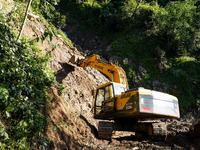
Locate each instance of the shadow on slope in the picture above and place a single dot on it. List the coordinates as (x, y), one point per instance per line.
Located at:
(62, 73)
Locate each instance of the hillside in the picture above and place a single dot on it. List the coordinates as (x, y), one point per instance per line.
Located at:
(72, 126)
(70, 120)
(68, 110)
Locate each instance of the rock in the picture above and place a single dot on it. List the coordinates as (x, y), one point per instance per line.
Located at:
(135, 148)
(141, 69)
(72, 48)
(108, 48)
(32, 16)
(35, 28)
(125, 61)
(114, 60)
(160, 86)
(195, 129)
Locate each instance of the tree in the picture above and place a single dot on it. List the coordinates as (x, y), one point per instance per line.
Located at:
(177, 27)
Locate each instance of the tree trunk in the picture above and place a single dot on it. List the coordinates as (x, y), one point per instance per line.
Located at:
(22, 27)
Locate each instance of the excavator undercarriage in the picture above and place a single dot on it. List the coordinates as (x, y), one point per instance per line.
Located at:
(154, 130)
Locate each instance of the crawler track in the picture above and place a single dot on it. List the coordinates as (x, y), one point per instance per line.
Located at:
(156, 131)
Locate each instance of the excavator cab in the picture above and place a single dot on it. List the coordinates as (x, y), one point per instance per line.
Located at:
(105, 97)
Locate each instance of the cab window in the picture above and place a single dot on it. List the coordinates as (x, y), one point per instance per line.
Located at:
(102, 98)
(99, 100)
(119, 89)
(108, 92)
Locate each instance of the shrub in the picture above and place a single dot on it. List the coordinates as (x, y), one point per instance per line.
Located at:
(24, 77)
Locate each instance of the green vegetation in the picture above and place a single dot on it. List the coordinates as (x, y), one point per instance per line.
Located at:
(24, 78)
(67, 40)
(61, 88)
(48, 10)
(162, 36)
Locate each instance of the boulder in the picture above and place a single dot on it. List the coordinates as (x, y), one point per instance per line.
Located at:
(195, 129)
(32, 16)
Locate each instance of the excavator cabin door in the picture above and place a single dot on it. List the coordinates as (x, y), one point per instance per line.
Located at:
(105, 99)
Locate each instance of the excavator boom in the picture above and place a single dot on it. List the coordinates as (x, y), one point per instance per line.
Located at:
(113, 72)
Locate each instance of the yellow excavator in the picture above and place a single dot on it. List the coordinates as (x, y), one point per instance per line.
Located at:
(131, 109)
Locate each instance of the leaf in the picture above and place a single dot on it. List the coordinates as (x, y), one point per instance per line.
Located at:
(37, 39)
(45, 143)
(50, 35)
(8, 109)
(25, 124)
(5, 134)
(7, 114)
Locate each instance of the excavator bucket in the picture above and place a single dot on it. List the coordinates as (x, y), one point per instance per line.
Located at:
(77, 60)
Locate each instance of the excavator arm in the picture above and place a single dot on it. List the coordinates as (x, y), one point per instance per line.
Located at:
(113, 72)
